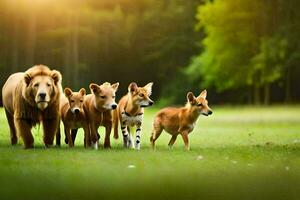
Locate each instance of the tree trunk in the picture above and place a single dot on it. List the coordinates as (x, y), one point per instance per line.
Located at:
(71, 57)
(288, 96)
(67, 54)
(75, 51)
(256, 95)
(31, 40)
(15, 45)
(250, 96)
(267, 94)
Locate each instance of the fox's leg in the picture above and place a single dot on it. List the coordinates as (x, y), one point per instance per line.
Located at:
(94, 136)
(66, 138)
(73, 134)
(172, 141)
(185, 138)
(87, 140)
(130, 139)
(138, 136)
(125, 134)
(107, 136)
(68, 135)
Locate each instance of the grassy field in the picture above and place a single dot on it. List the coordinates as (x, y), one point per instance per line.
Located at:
(237, 153)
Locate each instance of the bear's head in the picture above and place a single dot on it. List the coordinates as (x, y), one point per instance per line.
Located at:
(42, 86)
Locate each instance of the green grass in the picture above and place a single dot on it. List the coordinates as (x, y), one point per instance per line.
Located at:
(247, 153)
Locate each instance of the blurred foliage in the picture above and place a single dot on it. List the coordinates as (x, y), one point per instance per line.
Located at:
(248, 44)
(249, 48)
(98, 41)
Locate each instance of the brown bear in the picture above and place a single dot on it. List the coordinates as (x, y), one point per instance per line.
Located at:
(29, 98)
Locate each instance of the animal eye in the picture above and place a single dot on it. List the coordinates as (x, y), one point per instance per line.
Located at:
(48, 84)
(200, 104)
(113, 96)
(141, 95)
(81, 101)
(36, 85)
(103, 97)
(72, 101)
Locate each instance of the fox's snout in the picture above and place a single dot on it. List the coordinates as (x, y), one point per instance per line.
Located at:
(110, 106)
(114, 106)
(209, 112)
(151, 103)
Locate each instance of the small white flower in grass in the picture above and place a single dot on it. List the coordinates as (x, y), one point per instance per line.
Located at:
(200, 157)
(226, 158)
(131, 166)
(234, 162)
(250, 164)
(287, 168)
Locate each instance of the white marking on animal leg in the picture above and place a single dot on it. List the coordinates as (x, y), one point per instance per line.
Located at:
(130, 142)
(138, 138)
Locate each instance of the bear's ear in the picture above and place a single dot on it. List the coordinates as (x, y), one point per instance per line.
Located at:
(203, 94)
(56, 75)
(68, 92)
(132, 87)
(27, 79)
(190, 97)
(95, 89)
(82, 91)
(115, 86)
(148, 87)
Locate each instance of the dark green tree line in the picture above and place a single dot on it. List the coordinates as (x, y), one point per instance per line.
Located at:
(250, 45)
(242, 47)
(97, 41)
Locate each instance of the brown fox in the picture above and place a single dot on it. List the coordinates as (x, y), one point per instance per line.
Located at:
(180, 120)
(98, 107)
(130, 112)
(73, 115)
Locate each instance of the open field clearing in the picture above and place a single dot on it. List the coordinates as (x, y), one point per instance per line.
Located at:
(237, 153)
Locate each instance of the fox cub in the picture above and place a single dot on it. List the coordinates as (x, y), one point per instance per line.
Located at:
(73, 115)
(130, 113)
(180, 120)
(98, 107)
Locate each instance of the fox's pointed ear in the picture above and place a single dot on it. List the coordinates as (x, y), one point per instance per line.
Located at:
(27, 79)
(203, 94)
(190, 97)
(115, 86)
(82, 91)
(95, 89)
(68, 92)
(132, 87)
(148, 87)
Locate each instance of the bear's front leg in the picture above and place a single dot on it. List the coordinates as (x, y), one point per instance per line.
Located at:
(23, 129)
(58, 136)
(50, 128)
